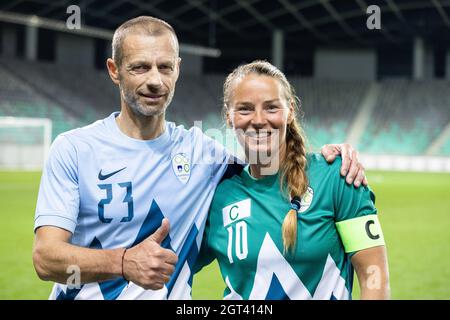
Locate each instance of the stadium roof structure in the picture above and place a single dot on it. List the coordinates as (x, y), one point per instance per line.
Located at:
(245, 28)
(207, 22)
(212, 22)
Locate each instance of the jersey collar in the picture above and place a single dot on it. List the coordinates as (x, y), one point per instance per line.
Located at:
(157, 143)
(263, 183)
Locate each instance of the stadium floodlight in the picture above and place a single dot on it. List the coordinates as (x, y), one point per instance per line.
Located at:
(24, 142)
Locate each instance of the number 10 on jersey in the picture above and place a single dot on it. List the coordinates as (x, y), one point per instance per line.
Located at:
(237, 239)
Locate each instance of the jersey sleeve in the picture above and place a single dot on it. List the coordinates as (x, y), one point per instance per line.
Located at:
(215, 155)
(58, 198)
(205, 256)
(356, 217)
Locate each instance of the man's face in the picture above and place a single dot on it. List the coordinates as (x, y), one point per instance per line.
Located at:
(148, 73)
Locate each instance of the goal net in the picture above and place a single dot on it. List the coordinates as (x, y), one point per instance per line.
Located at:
(24, 142)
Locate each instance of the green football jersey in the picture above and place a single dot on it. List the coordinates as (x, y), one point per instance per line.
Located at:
(243, 232)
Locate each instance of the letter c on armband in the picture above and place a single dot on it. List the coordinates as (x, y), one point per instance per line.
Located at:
(360, 233)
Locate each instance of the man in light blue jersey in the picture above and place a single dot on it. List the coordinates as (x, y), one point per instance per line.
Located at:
(109, 190)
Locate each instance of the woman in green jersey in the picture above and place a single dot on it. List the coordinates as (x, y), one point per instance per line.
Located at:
(288, 226)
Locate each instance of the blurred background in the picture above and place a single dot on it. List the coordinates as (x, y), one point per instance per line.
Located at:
(386, 90)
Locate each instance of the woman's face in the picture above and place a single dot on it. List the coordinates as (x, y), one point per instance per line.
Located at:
(259, 113)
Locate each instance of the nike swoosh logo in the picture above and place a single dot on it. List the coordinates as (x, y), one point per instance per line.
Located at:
(106, 176)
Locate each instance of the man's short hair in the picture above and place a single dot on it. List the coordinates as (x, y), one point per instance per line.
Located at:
(144, 25)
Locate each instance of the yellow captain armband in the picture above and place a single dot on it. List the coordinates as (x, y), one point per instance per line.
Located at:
(360, 233)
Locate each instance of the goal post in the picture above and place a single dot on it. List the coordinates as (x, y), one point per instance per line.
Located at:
(24, 142)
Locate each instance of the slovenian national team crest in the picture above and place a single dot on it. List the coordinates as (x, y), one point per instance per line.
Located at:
(181, 167)
(306, 200)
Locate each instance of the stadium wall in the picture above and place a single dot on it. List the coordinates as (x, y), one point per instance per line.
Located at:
(447, 65)
(343, 64)
(406, 163)
(191, 64)
(9, 40)
(74, 50)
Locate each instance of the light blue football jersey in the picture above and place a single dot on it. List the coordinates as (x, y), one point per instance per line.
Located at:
(112, 191)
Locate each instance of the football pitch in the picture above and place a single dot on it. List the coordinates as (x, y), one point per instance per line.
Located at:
(414, 209)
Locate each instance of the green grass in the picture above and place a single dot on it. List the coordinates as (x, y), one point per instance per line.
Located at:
(415, 215)
(414, 210)
(18, 194)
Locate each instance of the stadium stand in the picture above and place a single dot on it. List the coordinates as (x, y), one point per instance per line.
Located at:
(407, 117)
(19, 98)
(328, 107)
(194, 100)
(44, 90)
(445, 150)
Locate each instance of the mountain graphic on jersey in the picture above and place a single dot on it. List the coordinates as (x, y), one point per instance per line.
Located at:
(112, 289)
(277, 280)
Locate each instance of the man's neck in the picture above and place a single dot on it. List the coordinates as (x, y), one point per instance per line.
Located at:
(140, 127)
